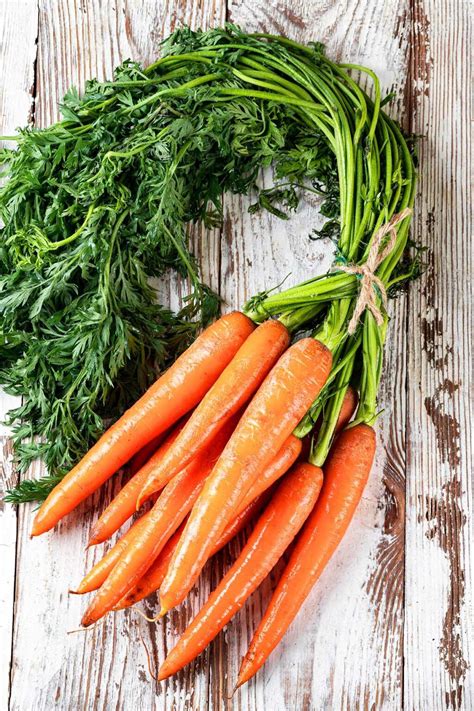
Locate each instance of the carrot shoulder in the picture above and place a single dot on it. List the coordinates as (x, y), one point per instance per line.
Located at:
(274, 531)
(345, 475)
(275, 410)
(176, 392)
(234, 387)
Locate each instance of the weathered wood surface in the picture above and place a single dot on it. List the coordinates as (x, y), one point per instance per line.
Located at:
(387, 627)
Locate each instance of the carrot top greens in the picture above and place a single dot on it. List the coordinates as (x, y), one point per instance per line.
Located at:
(99, 202)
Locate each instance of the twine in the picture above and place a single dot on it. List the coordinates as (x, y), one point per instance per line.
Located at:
(371, 285)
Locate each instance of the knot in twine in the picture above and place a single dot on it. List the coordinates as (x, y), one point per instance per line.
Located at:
(370, 282)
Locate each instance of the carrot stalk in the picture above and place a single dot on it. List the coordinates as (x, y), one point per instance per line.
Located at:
(172, 506)
(174, 394)
(274, 531)
(234, 387)
(125, 503)
(98, 574)
(279, 404)
(345, 476)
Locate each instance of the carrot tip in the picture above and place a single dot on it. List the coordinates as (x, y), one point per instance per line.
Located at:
(162, 612)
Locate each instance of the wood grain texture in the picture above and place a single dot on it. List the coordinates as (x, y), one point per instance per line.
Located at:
(439, 584)
(387, 625)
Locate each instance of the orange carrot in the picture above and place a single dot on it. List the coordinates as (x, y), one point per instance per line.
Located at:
(234, 387)
(174, 394)
(125, 503)
(279, 404)
(154, 576)
(98, 574)
(345, 475)
(287, 455)
(174, 503)
(274, 531)
(349, 406)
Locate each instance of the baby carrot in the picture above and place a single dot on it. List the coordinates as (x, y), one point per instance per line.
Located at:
(279, 404)
(234, 387)
(274, 531)
(174, 394)
(345, 476)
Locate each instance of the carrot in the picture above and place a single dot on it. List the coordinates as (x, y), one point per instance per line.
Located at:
(154, 576)
(125, 503)
(98, 574)
(345, 476)
(174, 394)
(274, 531)
(234, 387)
(172, 506)
(275, 410)
(349, 406)
(287, 455)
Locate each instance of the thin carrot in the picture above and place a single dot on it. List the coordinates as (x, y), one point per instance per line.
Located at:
(234, 387)
(275, 410)
(174, 394)
(274, 531)
(125, 503)
(345, 476)
(172, 506)
(349, 406)
(154, 576)
(287, 455)
(98, 574)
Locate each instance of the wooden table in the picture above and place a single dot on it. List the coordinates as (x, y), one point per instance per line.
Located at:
(388, 625)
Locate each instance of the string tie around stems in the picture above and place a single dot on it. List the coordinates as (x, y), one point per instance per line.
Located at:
(371, 285)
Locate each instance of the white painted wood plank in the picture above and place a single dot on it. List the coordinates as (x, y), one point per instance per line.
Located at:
(18, 31)
(439, 554)
(345, 649)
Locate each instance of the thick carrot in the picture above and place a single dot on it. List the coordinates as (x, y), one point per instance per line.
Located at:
(275, 410)
(154, 576)
(345, 475)
(174, 394)
(172, 506)
(287, 455)
(234, 387)
(125, 503)
(274, 531)
(98, 574)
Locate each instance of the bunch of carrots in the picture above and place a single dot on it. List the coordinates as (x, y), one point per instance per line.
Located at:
(257, 421)
(213, 447)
